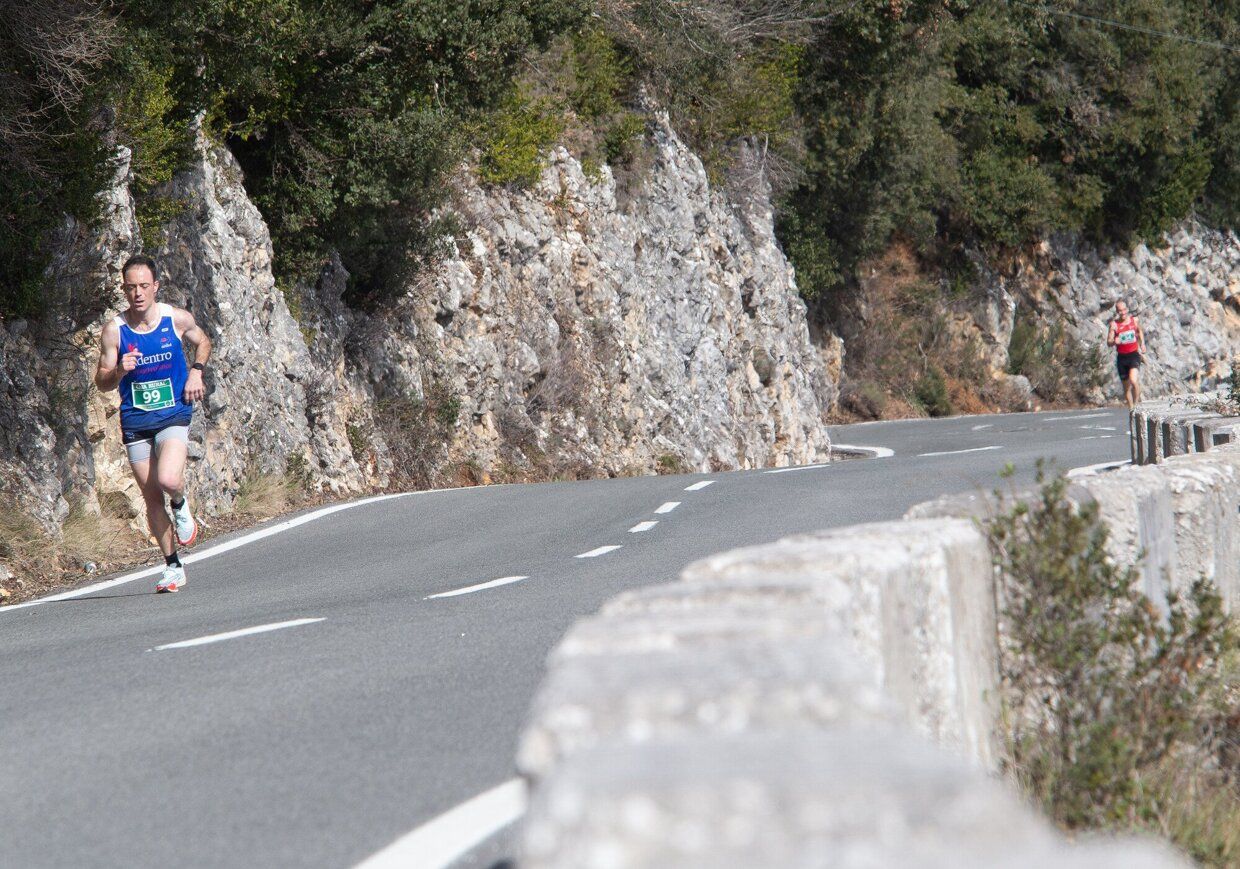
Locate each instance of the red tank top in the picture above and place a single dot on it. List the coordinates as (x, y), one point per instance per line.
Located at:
(1126, 336)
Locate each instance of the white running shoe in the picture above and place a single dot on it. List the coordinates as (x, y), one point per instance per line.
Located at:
(187, 525)
(173, 579)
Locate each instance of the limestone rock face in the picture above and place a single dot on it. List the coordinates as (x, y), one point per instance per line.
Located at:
(216, 262)
(573, 330)
(28, 473)
(1185, 291)
(617, 333)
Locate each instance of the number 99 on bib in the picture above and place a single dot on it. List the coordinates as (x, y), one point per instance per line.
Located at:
(153, 395)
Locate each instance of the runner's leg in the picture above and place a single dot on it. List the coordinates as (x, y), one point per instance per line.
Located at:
(156, 515)
(170, 457)
(1135, 380)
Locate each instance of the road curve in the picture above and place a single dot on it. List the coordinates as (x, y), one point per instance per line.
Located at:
(353, 677)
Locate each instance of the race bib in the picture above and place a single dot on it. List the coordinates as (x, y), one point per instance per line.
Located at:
(1126, 337)
(153, 394)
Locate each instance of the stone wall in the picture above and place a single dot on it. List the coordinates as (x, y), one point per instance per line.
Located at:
(832, 694)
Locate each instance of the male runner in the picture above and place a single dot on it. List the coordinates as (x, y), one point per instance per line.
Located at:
(1126, 337)
(141, 354)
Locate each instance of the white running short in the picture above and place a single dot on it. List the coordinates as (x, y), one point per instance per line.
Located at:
(139, 444)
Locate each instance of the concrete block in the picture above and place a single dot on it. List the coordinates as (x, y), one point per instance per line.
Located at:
(1202, 442)
(1153, 436)
(617, 633)
(918, 600)
(1205, 495)
(846, 799)
(1172, 443)
(1136, 505)
(743, 686)
(804, 595)
(1220, 431)
(966, 505)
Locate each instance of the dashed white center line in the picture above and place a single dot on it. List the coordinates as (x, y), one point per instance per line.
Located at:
(643, 526)
(667, 507)
(595, 553)
(958, 452)
(232, 635)
(982, 426)
(503, 580)
(698, 486)
(1100, 427)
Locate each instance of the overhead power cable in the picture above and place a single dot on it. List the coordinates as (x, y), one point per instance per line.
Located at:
(1123, 25)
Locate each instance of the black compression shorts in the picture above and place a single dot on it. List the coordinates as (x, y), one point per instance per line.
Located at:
(1125, 362)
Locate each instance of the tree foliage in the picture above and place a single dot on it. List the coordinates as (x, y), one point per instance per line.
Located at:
(52, 156)
(994, 124)
(942, 122)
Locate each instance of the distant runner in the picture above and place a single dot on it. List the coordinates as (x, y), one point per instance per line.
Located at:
(1128, 340)
(140, 352)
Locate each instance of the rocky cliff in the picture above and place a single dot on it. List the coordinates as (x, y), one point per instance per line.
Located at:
(1185, 290)
(572, 331)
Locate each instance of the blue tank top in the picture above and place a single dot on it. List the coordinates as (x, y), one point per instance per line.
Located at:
(152, 395)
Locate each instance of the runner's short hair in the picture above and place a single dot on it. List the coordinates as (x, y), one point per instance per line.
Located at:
(141, 259)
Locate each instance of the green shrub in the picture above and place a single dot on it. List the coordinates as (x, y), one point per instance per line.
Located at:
(931, 393)
(1105, 693)
(517, 138)
(670, 463)
(1057, 367)
(600, 75)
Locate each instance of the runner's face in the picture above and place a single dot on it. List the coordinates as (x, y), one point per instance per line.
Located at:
(140, 287)
(1121, 311)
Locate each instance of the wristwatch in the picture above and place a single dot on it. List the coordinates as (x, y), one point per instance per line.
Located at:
(199, 366)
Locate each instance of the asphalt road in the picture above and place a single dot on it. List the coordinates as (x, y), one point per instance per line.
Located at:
(321, 743)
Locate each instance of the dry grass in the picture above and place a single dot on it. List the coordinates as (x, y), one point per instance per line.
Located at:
(911, 350)
(40, 562)
(262, 496)
(103, 538)
(1197, 808)
(22, 542)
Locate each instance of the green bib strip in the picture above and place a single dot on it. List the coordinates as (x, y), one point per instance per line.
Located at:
(153, 394)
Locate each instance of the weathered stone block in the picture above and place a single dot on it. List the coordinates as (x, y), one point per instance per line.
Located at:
(848, 799)
(738, 686)
(918, 597)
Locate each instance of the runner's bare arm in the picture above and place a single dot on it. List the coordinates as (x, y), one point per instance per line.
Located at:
(1140, 336)
(108, 373)
(1111, 335)
(192, 332)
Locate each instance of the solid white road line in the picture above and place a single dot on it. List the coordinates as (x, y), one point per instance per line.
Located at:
(595, 553)
(873, 452)
(698, 486)
(799, 468)
(958, 452)
(667, 507)
(1092, 470)
(439, 843)
(643, 526)
(232, 635)
(1079, 416)
(219, 549)
(503, 580)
